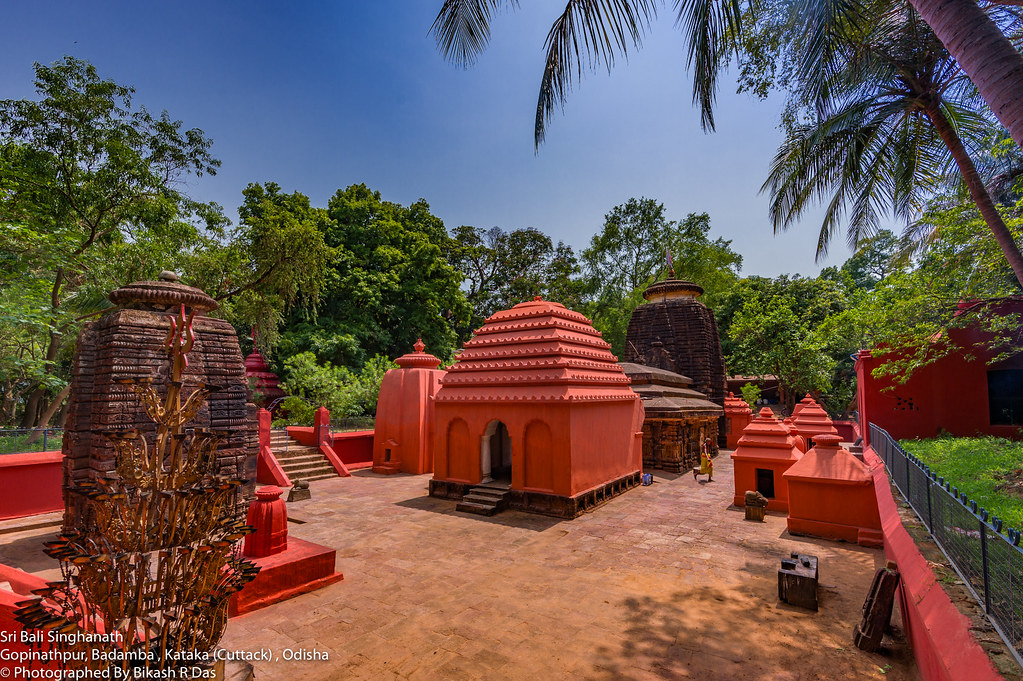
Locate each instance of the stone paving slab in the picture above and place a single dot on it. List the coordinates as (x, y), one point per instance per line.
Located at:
(663, 582)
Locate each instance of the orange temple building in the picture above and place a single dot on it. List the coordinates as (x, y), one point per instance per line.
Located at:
(764, 452)
(402, 438)
(537, 406)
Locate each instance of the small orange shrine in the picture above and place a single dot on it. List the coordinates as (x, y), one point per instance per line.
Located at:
(537, 403)
(402, 437)
(764, 452)
(831, 495)
(737, 417)
(811, 420)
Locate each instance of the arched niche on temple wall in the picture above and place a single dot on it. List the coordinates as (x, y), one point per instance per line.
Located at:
(538, 456)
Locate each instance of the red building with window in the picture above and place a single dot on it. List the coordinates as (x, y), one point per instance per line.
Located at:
(952, 395)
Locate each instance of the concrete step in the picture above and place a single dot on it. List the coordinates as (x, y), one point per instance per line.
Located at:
(305, 458)
(482, 499)
(478, 509)
(296, 452)
(309, 468)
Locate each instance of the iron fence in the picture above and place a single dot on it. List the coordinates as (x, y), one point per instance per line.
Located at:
(986, 555)
(23, 440)
(344, 424)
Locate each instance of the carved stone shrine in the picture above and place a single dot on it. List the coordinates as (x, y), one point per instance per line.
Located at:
(677, 418)
(128, 344)
(676, 332)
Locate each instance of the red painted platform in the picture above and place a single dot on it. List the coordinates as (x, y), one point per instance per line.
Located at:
(302, 568)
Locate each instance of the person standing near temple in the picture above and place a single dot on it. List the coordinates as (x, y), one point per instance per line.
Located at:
(706, 463)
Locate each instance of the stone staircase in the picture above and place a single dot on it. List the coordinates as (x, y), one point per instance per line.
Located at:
(299, 461)
(484, 499)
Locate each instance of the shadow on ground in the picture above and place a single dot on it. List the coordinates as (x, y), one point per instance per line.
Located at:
(705, 632)
(525, 521)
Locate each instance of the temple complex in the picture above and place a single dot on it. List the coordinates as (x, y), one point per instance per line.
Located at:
(676, 332)
(402, 438)
(677, 418)
(536, 405)
(129, 344)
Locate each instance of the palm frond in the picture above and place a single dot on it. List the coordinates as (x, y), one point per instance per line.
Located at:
(462, 28)
(591, 31)
(711, 29)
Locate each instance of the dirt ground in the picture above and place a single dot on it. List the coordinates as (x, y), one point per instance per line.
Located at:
(664, 582)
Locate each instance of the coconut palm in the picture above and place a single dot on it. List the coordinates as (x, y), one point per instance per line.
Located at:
(596, 31)
(890, 114)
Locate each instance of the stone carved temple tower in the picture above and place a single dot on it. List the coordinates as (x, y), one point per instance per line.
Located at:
(129, 344)
(676, 332)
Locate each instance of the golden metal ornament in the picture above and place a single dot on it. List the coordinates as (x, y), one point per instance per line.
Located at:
(153, 568)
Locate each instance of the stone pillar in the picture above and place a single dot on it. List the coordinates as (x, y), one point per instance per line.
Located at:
(265, 421)
(269, 515)
(671, 439)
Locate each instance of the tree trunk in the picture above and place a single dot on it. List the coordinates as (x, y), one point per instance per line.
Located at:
(978, 191)
(984, 53)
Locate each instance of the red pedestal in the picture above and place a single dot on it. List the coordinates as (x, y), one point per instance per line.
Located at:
(269, 515)
(302, 568)
(831, 495)
(765, 451)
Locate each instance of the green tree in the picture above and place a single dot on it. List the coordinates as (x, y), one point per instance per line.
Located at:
(389, 285)
(89, 199)
(595, 32)
(503, 268)
(884, 117)
(955, 280)
(275, 258)
(630, 252)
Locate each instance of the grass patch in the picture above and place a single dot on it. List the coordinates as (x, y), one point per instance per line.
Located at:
(988, 469)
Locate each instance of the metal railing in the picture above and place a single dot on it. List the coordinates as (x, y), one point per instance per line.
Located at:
(345, 424)
(24, 440)
(989, 561)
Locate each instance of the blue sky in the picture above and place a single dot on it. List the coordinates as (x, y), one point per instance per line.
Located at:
(319, 95)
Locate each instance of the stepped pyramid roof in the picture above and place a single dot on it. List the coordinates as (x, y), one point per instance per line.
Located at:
(537, 350)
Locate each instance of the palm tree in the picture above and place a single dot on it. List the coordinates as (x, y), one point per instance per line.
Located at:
(990, 60)
(889, 110)
(595, 31)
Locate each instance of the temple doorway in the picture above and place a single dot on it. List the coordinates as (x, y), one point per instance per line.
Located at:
(495, 453)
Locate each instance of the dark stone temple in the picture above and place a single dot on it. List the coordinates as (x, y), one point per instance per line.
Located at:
(676, 332)
(677, 418)
(129, 344)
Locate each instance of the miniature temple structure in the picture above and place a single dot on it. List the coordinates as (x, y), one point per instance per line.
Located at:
(737, 417)
(764, 452)
(402, 439)
(263, 382)
(128, 344)
(537, 404)
(831, 495)
(675, 331)
(677, 418)
(811, 420)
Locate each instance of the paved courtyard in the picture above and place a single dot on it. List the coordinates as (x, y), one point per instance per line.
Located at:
(663, 582)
